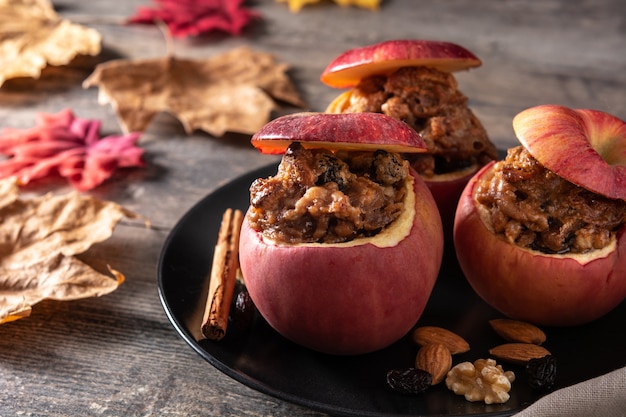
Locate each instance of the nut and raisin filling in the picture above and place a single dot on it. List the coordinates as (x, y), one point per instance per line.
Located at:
(326, 197)
(536, 209)
(428, 100)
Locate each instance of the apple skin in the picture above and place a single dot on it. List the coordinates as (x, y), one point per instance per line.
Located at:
(346, 300)
(348, 131)
(350, 67)
(446, 190)
(585, 147)
(550, 290)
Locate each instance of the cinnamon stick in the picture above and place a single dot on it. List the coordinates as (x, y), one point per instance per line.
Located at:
(223, 276)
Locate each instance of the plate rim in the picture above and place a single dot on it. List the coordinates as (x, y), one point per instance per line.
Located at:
(251, 382)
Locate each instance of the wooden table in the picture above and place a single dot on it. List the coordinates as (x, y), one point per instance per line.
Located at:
(118, 355)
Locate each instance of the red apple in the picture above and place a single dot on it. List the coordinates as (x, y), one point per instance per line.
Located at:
(338, 131)
(586, 147)
(349, 68)
(551, 289)
(353, 297)
(446, 190)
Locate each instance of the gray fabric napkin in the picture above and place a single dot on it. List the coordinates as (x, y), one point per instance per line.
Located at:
(604, 396)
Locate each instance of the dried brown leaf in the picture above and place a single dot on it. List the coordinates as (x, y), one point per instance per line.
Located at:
(231, 92)
(38, 238)
(33, 36)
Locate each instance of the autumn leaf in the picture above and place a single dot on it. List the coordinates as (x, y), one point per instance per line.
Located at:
(296, 5)
(62, 144)
(194, 17)
(365, 4)
(39, 238)
(231, 92)
(33, 36)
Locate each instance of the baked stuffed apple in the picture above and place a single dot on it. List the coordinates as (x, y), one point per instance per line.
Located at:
(412, 80)
(340, 249)
(540, 235)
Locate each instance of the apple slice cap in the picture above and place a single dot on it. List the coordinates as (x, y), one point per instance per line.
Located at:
(350, 131)
(585, 147)
(350, 67)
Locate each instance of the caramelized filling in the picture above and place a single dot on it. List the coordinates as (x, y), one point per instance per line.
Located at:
(326, 197)
(428, 100)
(534, 208)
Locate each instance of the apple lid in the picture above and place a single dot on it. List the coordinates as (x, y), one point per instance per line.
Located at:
(349, 68)
(346, 131)
(585, 147)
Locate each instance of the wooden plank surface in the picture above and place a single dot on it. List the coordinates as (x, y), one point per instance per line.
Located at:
(118, 355)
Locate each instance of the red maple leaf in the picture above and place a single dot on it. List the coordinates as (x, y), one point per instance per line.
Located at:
(194, 17)
(64, 145)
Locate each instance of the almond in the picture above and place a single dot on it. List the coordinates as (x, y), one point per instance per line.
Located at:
(518, 353)
(427, 335)
(518, 331)
(435, 359)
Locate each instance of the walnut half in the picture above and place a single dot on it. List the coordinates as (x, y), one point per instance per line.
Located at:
(482, 380)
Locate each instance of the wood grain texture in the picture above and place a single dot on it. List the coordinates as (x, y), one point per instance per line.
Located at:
(117, 355)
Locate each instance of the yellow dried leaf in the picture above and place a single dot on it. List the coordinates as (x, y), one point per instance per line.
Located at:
(33, 36)
(38, 240)
(231, 92)
(296, 5)
(366, 4)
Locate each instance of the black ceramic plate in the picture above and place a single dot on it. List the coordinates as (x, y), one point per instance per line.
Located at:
(355, 386)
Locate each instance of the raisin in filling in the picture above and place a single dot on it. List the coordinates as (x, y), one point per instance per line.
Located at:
(325, 197)
(536, 209)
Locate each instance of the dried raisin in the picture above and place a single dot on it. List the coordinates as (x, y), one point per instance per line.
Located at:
(242, 309)
(409, 380)
(541, 372)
